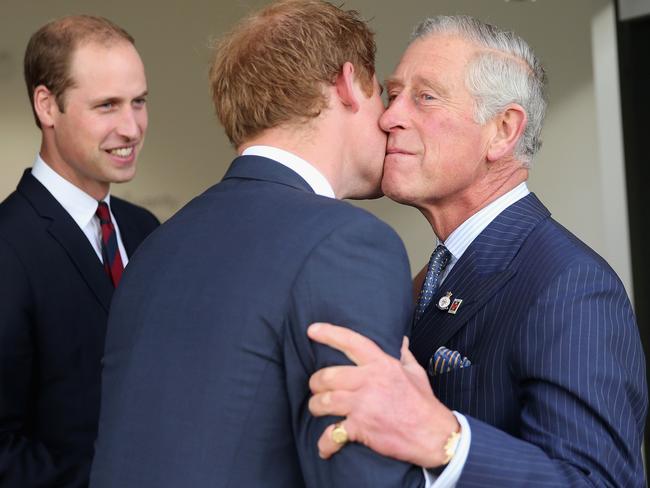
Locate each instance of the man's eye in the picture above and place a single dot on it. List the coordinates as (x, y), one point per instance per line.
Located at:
(424, 99)
(106, 106)
(139, 102)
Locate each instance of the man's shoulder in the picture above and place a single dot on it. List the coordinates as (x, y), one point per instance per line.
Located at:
(564, 247)
(22, 230)
(341, 213)
(10, 204)
(16, 213)
(541, 241)
(348, 212)
(552, 252)
(340, 223)
(272, 201)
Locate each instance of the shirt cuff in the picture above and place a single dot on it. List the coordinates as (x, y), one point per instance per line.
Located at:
(451, 474)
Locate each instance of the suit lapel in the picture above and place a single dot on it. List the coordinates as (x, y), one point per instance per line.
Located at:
(68, 234)
(485, 268)
(436, 326)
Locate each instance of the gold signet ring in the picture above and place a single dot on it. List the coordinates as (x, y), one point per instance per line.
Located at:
(339, 434)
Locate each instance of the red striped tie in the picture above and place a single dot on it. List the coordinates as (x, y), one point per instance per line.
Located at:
(110, 251)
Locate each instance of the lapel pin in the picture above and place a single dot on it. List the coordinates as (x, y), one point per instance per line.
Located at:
(445, 301)
(455, 305)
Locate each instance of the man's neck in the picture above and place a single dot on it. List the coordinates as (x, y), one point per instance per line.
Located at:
(305, 143)
(96, 189)
(303, 168)
(446, 215)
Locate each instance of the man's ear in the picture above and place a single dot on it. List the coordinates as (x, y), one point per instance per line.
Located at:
(45, 106)
(346, 89)
(509, 126)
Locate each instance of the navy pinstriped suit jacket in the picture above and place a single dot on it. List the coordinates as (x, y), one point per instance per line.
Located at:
(556, 393)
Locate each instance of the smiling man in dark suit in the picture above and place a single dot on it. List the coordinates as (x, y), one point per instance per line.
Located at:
(63, 244)
(520, 328)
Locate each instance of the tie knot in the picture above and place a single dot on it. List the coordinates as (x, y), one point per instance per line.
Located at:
(103, 213)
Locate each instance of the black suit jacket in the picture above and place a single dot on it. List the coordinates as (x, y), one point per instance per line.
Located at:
(54, 300)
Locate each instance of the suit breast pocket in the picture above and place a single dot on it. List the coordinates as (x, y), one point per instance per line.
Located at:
(457, 388)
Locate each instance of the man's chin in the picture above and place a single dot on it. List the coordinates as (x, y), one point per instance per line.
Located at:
(393, 193)
(123, 176)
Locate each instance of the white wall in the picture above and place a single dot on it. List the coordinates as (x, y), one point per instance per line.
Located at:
(186, 151)
(615, 230)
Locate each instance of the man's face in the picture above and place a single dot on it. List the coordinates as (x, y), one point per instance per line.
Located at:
(436, 151)
(99, 135)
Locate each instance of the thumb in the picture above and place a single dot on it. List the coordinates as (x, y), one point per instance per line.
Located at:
(412, 367)
(407, 359)
(404, 351)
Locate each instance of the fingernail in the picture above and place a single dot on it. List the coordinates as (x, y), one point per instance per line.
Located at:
(321, 455)
(314, 327)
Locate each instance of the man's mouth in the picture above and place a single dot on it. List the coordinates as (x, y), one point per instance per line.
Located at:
(396, 150)
(122, 152)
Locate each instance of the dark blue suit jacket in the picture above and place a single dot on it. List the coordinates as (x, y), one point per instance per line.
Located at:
(54, 299)
(207, 361)
(556, 393)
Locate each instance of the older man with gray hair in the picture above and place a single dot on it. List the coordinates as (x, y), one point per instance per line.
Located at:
(531, 370)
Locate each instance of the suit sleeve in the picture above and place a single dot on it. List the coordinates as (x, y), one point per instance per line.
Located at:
(581, 374)
(24, 461)
(357, 277)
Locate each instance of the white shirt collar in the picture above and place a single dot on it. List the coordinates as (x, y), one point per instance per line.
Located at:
(460, 239)
(76, 202)
(314, 178)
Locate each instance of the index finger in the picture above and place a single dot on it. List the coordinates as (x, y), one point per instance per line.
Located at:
(358, 348)
(335, 378)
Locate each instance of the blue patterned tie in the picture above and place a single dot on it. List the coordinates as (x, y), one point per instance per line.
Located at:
(437, 264)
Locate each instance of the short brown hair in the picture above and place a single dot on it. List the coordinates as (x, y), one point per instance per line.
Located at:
(271, 67)
(50, 49)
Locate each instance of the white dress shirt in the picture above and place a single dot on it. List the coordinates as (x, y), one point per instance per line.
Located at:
(457, 243)
(79, 205)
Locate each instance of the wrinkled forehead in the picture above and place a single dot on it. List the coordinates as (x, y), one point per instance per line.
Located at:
(453, 51)
(437, 59)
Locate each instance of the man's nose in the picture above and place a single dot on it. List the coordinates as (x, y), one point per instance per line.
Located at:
(128, 124)
(394, 117)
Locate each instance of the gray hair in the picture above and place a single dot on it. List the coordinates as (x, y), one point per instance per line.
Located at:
(506, 72)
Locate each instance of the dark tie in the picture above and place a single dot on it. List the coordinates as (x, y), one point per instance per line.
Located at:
(110, 251)
(437, 264)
